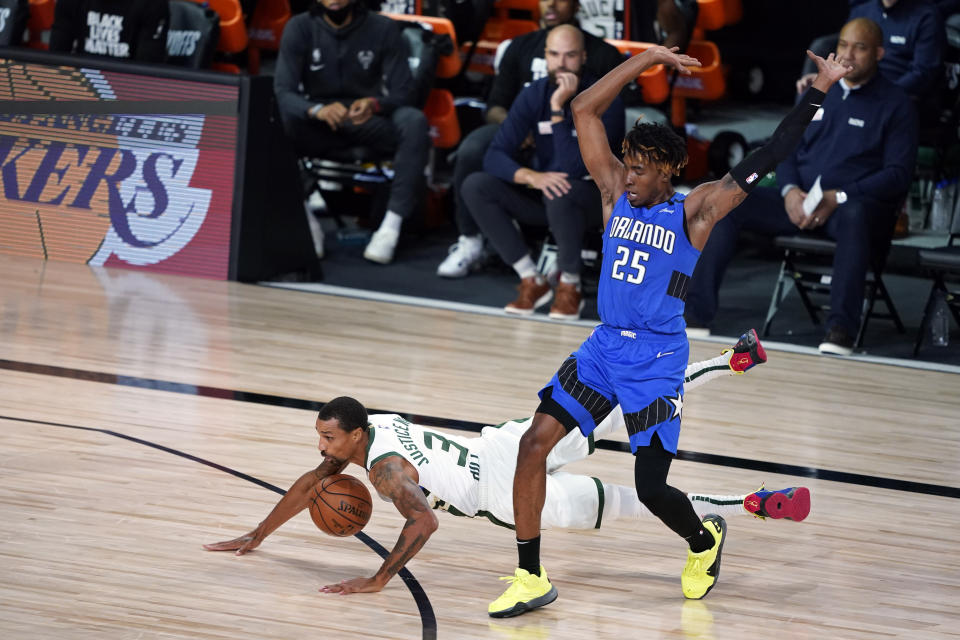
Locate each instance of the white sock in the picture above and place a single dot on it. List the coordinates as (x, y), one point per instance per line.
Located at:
(698, 373)
(526, 267)
(391, 221)
(622, 502)
(570, 278)
(721, 505)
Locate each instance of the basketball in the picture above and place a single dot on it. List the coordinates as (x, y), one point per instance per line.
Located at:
(340, 505)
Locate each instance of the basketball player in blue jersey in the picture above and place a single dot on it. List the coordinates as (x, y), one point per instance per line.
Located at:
(636, 356)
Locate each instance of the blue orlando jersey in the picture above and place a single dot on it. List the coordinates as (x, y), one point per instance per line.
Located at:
(647, 264)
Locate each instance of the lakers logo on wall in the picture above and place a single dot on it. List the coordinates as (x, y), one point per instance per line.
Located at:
(88, 176)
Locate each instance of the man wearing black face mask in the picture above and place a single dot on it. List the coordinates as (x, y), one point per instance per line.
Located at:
(343, 79)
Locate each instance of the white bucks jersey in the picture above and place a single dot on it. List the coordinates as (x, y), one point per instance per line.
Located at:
(449, 466)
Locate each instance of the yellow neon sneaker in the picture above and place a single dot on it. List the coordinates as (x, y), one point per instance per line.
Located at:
(703, 569)
(526, 592)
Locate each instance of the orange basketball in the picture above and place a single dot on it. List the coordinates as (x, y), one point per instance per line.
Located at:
(340, 505)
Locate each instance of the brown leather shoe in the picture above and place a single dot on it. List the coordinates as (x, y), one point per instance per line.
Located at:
(533, 292)
(568, 302)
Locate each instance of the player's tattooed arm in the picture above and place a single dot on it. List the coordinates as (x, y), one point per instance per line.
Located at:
(293, 502)
(394, 477)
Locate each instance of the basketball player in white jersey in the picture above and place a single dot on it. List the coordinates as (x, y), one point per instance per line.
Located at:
(420, 470)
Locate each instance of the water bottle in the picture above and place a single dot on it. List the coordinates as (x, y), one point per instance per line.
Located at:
(949, 199)
(938, 211)
(953, 217)
(915, 209)
(940, 321)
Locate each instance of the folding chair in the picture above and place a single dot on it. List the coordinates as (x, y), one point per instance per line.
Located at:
(943, 264)
(807, 267)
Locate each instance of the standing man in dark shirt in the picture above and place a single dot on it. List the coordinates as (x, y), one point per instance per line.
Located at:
(913, 42)
(862, 145)
(343, 79)
(523, 62)
(125, 29)
(554, 189)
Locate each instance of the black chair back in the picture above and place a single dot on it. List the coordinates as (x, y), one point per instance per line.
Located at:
(193, 34)
(13, 21)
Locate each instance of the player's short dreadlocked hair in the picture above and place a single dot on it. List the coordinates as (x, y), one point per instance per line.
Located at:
(659, 144)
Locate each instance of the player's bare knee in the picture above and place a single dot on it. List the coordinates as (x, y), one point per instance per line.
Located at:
(533, 446)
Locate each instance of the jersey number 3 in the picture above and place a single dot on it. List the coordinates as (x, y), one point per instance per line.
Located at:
(634, 257)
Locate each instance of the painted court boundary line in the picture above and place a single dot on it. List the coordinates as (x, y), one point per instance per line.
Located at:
(428, 619)
(609, 445)
(446, 305)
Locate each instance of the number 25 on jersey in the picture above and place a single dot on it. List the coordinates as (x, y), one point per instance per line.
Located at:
(629, 265)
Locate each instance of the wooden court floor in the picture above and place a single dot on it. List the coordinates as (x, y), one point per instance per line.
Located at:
(112, 479)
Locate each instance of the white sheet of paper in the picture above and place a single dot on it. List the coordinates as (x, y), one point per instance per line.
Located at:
(814, 196)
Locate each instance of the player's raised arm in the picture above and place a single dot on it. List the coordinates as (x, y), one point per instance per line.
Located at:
(588, 108)
(395, 478)
(711, 201)
(295, 500)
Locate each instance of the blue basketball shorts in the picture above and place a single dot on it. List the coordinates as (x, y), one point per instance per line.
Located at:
(642, 372)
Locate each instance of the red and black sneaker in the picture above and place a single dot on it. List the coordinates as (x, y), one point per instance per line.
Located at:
(747, 353)
(792, 504)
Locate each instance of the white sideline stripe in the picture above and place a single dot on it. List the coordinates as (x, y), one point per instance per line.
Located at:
(415, 301)
(769, 345)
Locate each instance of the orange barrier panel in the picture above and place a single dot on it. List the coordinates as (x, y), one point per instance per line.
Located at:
(733, 11)
(441, 113)
(711, 15)
(716, 14)
(266, 27)
(494, 32)
(653, 82)
(40, 20)
(449, 65)
(233, 32)
(707, 82)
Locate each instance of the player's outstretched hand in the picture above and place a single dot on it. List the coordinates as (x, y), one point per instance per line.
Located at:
(243, 544)
(829, 69)
(357, 585)
(670, 58)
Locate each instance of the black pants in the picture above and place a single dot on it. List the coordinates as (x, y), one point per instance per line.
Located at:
(404, 135)
(861, 228)
(495, 204)
(469, 161)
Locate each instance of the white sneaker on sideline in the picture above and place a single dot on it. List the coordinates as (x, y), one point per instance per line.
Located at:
(382, 244)
(464, 254)
(315, 203)
(316, 232)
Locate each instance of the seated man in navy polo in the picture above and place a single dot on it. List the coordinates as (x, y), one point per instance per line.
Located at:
(553, 188)
(862, 144)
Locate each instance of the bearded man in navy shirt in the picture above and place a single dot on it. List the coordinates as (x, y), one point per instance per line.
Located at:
(863, 145)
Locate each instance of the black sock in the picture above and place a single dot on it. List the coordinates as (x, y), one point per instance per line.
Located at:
(701, 540)
(529, 553)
